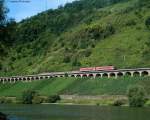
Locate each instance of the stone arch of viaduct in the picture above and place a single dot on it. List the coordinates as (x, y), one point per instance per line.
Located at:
(113, 74)
(94, 74)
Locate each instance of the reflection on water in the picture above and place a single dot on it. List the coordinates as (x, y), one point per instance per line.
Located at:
(64, 112)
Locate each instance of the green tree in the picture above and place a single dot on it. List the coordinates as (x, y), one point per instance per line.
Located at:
(75, 61)
(37, 99)
(2, 13)
(147, 22)
(66, 59)
(27, 96)
(7, 26)
(66, 74)
(137, 96)
(1, 66)
(142, 2)
(2, 19)
(53, 98)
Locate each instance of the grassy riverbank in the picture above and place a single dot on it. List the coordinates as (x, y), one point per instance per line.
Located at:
(75, 86)
(102, 100)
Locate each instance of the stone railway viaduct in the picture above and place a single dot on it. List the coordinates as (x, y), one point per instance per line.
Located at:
(94, 74)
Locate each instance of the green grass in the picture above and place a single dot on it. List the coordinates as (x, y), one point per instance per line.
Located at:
(17, 88)
(78, 86)
(56, 86)
(105, 86)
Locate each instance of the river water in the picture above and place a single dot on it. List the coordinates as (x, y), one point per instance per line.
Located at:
(72, 112)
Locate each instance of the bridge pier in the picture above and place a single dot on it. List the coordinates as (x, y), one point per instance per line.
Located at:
(26, 79)
(124, 73)
(88, 75)
(34, 78)
(132, 74)
(94, 75)
(101, 75)
(116, 75)
(140, 73)
(148, 72)
(22, 79)
(3, 81)
(29, 79)
(109, 75)
(40, 78)
(14, 80)
(10, 81)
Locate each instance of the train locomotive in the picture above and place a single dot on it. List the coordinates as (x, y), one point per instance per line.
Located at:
(100, 68)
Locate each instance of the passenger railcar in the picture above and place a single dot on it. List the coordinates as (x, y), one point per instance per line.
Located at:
(100, 68)
(88, 69)
(104, 68)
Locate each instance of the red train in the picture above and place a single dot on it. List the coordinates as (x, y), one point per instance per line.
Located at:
(101, 68)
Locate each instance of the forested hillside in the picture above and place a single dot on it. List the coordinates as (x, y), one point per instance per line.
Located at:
(79, 34)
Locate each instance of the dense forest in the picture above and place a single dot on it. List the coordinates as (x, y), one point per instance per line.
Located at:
(79, 34)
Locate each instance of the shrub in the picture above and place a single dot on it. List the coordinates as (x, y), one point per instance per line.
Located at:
(83, 43)
(131, 23)
(147, 103)
(97, 104)
(90, 34)
(37, 100)
(136, 96)
(75, 61)
(8, 101)
(66, 74)
(147, 22)
(30, 63)
(141, 3)
(27, 96)
(66, 59)
(100, 31)
(93, 45)
(119, 102)
(62, 44)
(4, 100)
(1, 67)
(85, 53)
(13, 58)
(53, 98)
(88, 53)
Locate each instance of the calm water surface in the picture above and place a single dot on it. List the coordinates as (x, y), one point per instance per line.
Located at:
(71, 112)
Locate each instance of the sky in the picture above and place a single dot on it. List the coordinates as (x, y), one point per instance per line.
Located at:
(21, 9)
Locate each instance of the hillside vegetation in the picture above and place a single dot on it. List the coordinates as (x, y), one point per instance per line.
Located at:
(82, 33)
